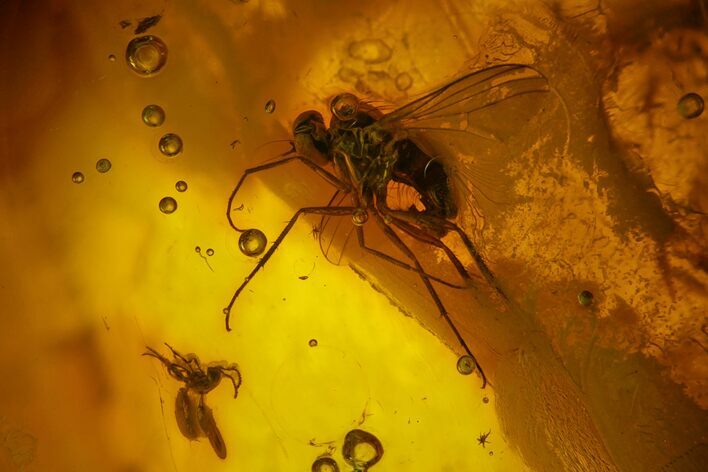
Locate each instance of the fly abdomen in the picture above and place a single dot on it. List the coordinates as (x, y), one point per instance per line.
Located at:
(428, 177)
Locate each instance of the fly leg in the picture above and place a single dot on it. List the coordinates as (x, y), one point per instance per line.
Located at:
(393, 260)
(436, 298)
(331, 211)
(421, 235)
(328, 176)
(423, 220)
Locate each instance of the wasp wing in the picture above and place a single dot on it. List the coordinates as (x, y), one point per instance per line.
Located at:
(475, 126)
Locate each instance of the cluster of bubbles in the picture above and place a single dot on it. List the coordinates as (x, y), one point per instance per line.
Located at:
(209, 251)
(103, 165)
(361, 450)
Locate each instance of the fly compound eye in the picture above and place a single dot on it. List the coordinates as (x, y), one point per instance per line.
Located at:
(306, 122)
(344, 106)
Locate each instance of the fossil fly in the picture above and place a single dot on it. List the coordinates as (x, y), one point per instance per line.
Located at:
(364, 151)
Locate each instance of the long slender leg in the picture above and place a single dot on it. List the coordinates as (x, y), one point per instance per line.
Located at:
(441, 308)
(421, 235)
(187, 362)
(328, 176)
(423, 219)
(333, 211)
(399, 263)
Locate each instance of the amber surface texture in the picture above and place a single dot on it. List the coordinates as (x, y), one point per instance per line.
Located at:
(125, 126)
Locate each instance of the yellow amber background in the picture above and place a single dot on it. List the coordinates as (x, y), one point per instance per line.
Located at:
(93, 272)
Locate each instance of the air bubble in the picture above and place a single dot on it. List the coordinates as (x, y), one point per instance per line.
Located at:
(325, 464)
(404, 81)
(690, 106)
(361, 449)
(112, 57)
(312, 342)
(181, 186)
(485, 400)
(103, 165)
(466, 365)
(344, 106)
(153, 115)
(252, 242)
(146, 55)
(585, 298)
(170, 145)
(197, 249)
(210, 252)
(360, 216)
(168, 205)
(270, 106)
(77, 177)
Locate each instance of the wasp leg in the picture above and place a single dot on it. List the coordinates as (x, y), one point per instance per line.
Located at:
(236, 383)
(441, 308)
(332, 211)
(328, 176)
(157, 355)
(422, 220)
(186, 361)
(393, 260)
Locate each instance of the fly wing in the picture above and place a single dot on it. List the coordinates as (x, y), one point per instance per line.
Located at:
(476, 126)
(336, 234)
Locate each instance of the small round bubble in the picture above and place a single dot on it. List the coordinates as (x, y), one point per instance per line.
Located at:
(325, 464)
(585, 298)
(77, 177)
(466, 365)
(360, 216)
(312, 342)
(146, 55)
(344, 106)
(210, 252)
(690, 106)
(197, 249)
(181, 186)
(170, 145)
(485, 400)
(252, 242)
(168, 205)
(270, 106)
(112, 57)
(103, 165)
(153, 115)
(361, 449)
(404, 81)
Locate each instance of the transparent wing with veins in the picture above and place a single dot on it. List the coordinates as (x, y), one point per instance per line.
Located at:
(475, 126)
